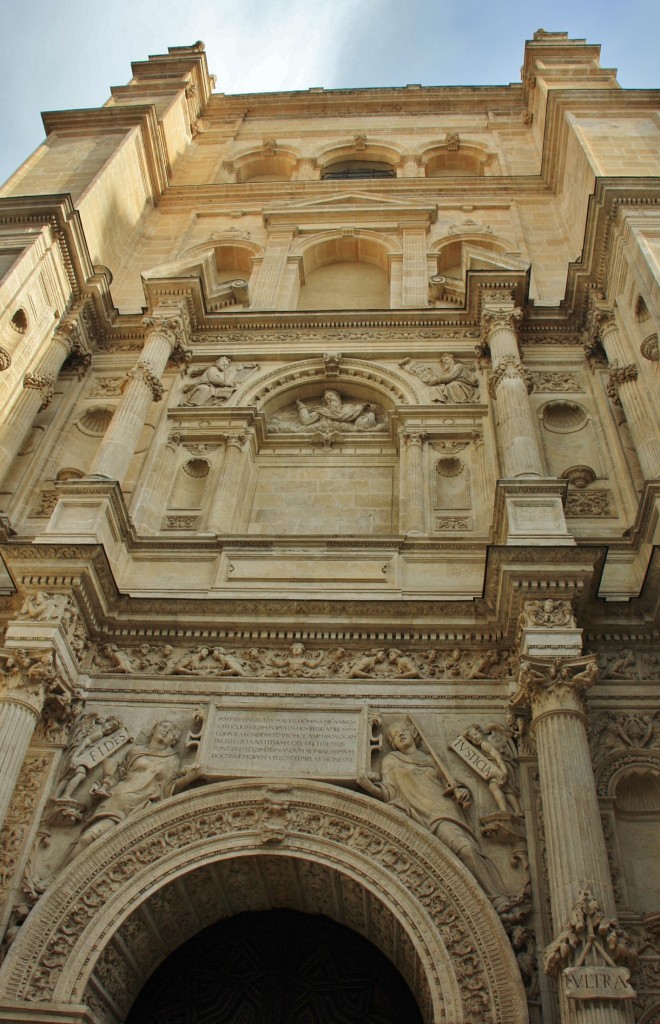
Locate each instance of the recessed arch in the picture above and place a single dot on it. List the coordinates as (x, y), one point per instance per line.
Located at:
(467, 160)
(460, 961)
(265, 165)
(345, 271)
(366, 153)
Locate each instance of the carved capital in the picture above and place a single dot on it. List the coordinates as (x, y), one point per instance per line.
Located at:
(30, 678)
(555, 685)
(237, 441)
(44, 382)
(511, 369)
(168, 327)
(142, 371)
(600, 321)
(414, 438)
(498, 318)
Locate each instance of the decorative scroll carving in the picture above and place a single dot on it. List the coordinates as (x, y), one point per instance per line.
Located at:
(44, 382)
(180, 523)
(216, 384)
(17, 822)
(451, 382)
(588, 950)
(553, 380)
(142, 371)
(332, 412)
(509, 368)
(583, 504)
(547, 614)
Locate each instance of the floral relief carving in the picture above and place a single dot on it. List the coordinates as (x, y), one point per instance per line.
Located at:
(588, 503)
(547, 614)
(555, 380)
(44, 382)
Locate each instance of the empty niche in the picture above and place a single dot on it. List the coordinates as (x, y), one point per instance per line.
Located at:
(190, 484)
(452, 483)
(573, 442)
(637, 814)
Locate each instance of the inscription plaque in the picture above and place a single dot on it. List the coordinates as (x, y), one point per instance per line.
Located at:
(598, 983)
(275, 741)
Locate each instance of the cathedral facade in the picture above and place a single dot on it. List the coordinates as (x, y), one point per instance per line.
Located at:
(330, 584)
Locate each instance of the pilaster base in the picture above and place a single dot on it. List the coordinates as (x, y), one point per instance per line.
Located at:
(89, 511)
(531, 511)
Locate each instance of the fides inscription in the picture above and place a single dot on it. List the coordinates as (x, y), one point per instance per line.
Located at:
(253, 741)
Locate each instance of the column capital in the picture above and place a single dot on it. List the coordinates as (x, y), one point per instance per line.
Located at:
(30, 678)
(557, 684)
(414, 438)
(170, 325)
(600, 321)
(235, 440)
(500, 316)
(512, 369)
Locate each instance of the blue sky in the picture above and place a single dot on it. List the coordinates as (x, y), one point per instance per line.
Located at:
(56, 54)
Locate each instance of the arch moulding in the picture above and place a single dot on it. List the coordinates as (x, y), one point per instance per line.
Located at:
(443, 934)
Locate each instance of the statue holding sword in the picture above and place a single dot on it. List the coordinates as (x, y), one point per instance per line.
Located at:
(419, 784)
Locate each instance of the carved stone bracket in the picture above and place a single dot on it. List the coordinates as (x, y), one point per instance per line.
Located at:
(5, 359)
(142, 371)
(44, 382)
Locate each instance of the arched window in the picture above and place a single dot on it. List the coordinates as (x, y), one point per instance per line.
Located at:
(347, 170)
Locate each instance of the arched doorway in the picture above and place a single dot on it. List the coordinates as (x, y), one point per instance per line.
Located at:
(276, 967)
(165, 874)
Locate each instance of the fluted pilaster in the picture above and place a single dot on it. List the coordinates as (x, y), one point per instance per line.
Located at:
(415, 273)
(227, 491)
(268, 289)
(412, 484)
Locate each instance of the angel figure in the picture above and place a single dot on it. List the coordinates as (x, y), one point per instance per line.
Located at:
(497, 744)
(452, 383)
(215, 384)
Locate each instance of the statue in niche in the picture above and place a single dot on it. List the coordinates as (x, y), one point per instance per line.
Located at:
(451, 382)
(419, 784)
(216, 384)
(332, 412)
(146, 775)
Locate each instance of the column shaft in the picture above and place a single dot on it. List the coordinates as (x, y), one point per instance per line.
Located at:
(17, 724)
(142, 387)
(625, 385)
(413, 482)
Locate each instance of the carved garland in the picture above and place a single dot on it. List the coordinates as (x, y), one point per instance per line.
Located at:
(453, 927)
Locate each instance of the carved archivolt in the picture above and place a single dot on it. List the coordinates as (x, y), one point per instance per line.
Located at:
(460, 965)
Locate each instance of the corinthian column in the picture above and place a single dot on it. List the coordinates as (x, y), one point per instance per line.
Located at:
(228, 490)
(555, 688)
(510, 384)
(625, 389)
(412, 484)
(142, 386)
(38, 391)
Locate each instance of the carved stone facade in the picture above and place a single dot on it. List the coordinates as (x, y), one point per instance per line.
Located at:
(331, 584)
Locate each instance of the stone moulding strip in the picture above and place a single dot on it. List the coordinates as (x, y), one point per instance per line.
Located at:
(460, 944)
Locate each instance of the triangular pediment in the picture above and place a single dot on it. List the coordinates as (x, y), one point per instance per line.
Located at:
(354, 207)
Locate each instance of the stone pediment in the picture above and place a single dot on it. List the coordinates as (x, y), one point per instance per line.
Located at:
(357, 207)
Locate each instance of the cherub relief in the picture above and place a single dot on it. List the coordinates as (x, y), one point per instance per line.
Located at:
(298, 663)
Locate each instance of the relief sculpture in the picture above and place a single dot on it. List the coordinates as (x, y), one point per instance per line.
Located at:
(451, 382)
(216, 384)
(416, 781)
(327, 414)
